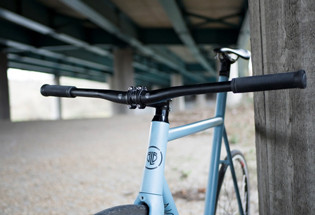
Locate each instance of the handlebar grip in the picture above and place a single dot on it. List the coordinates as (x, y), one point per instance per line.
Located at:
(269, 82)
(56, 90)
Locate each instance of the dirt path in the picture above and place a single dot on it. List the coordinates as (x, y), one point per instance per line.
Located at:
(84, 166)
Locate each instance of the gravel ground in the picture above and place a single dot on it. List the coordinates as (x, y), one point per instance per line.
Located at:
(84, 166)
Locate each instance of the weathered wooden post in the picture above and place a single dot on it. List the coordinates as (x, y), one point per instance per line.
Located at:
(283, 40)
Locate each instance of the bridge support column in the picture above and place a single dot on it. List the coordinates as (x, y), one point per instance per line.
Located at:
(57, 108)
(201, 100)
(123, 76)
(4, 88)
(178, 104)
(243, 42)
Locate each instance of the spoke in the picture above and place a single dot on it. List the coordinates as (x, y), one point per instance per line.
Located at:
(227, 200)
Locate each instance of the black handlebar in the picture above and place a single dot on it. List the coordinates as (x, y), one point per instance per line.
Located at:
(141, 97)
(56, 90)
(269, 82)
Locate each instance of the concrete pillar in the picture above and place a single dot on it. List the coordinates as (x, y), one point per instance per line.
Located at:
(4, 88)
(155, 87)
(178, 104)
(201, 101)
(57, 110)
(243, 42)
(123, 75)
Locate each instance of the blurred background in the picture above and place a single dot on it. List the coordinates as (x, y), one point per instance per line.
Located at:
(26, 102)
(119, 43)
(73, 156)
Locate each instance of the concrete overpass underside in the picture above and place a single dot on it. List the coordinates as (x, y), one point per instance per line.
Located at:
(89, 39)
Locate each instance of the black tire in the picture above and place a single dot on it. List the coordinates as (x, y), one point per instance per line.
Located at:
(226, 202)
(126, 210)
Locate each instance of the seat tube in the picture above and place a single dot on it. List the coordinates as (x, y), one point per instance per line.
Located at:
(215, 153)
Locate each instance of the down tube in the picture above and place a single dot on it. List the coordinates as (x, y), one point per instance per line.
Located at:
(215, 155)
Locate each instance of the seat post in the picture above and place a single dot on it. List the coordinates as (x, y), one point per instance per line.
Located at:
(161, 112)
(225, 65)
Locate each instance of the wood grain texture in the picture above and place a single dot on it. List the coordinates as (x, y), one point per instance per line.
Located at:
(282, 39)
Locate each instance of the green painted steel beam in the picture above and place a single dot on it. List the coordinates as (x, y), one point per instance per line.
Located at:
(184, 72)
(52, 66)
(41, 33)
(49, 62)
(140, 64)
(150, 80)
(70, 30)
(22, 47)
(108, 20)
(174, 14)
(194, 67)
(202, 36)
(16, 33)
(38, 68)
(82, 54)
(80, 57)
(30, 25)
(25, 40)
(58, 66)
(36, 25)
(32, 61)
(220, 20)
(141, 68)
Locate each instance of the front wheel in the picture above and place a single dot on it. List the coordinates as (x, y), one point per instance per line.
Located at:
(126, 210)
(226, 203)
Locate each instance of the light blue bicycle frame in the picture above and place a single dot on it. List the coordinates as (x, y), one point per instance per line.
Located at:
(154, 190)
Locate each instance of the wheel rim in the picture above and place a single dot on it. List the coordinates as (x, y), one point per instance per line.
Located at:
(227, 201)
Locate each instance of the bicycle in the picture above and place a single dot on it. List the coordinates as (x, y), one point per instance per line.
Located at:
(155, 197)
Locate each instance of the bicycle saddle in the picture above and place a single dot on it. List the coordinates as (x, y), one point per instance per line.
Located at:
(243, 53)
